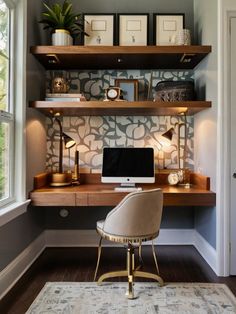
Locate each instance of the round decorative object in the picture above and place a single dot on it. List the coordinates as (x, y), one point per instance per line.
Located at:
(173, 178)
(113, 93)
(60, 85)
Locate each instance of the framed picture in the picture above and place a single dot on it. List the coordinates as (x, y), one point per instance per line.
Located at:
(129, 88)
(166, 28)
(133, 29)
(100, 28)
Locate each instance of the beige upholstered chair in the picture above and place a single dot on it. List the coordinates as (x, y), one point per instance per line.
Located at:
(135, 219)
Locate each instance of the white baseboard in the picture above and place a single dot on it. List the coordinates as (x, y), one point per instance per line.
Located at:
(175, 237)
(206, 250)
(89, 238)
(13, 272)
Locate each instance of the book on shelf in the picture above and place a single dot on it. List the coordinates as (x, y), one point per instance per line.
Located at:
(65, 99)
(65, 95)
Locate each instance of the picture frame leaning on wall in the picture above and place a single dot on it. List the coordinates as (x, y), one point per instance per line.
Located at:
(133, 29)
(100, 28)
(166, 27)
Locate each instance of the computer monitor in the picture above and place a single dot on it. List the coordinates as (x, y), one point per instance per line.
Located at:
(128, 166)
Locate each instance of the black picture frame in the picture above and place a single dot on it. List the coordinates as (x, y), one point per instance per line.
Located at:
(111, 29)
(121, 33)
(155, 15)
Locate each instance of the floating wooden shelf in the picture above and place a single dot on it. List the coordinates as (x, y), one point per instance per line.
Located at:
(138, 108)
(119, 57)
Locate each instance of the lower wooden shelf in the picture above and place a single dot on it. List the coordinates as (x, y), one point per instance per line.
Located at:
(138, 108)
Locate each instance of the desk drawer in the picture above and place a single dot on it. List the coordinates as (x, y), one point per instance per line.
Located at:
(52, 199)
(81, 199)
(105, 199)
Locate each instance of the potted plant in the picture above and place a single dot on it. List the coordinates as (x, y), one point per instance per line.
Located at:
(64, 24)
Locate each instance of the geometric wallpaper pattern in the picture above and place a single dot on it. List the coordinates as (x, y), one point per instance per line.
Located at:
(92, 133)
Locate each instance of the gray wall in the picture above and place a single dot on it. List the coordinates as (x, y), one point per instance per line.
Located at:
(137, 6)
(86, 217)
(16, 235)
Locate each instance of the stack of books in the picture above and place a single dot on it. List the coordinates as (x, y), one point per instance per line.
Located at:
(64, 97)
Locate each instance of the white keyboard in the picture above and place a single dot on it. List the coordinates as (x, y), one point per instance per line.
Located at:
(127, 189)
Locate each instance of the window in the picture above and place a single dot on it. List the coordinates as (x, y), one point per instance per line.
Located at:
(6, 109)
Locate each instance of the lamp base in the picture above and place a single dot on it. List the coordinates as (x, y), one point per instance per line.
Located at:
(61, 179)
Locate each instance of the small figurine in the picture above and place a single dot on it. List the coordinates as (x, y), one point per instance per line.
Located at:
(60, 85)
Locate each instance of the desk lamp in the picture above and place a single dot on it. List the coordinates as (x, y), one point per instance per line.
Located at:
(60, 178)
(69, 143)
(168, 135)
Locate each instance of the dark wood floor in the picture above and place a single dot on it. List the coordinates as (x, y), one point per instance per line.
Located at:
(176, 263)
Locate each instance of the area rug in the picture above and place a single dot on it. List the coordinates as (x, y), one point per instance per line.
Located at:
(89, 298)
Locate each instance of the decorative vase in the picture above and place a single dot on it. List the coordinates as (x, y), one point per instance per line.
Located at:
(61, 37)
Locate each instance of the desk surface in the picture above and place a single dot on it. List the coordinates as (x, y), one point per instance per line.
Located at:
(93, 193)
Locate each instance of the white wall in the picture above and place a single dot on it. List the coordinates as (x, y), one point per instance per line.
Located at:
(212, 126)
(225, 7)
(206, 122)
(205, 129)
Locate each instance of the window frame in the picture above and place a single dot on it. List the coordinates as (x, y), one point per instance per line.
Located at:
(7, 116)
(19, 202)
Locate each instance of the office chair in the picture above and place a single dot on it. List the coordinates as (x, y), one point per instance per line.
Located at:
(135, 219)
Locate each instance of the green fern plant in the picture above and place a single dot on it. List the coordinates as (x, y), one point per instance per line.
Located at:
(60, 16)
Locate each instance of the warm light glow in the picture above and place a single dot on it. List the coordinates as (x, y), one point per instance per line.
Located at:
(165, 141)
(70, 144)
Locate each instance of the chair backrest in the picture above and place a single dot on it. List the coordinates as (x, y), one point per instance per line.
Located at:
(137, 215)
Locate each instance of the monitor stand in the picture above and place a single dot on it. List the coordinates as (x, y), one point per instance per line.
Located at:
(127, 187)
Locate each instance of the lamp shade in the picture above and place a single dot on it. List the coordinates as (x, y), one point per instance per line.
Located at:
(69, 142)
(166, 137)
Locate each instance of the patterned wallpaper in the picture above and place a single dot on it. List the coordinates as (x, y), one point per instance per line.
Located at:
(92, 133)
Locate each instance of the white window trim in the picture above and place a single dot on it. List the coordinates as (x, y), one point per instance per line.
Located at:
(20, 203)
(11, 211)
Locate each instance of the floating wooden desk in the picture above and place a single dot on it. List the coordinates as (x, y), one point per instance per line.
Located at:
(92, 192)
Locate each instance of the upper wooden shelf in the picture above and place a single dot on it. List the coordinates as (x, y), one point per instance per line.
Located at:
(138, 108)
(119, 57)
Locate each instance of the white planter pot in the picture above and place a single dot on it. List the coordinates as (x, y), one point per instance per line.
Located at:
(61, 37)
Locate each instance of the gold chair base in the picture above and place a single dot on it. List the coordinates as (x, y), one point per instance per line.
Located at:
(131, 272)
(136, 273)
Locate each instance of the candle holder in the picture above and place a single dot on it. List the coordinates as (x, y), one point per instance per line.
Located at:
(75, 177)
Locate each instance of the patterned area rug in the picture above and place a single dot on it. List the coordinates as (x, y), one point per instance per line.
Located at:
(89, 298)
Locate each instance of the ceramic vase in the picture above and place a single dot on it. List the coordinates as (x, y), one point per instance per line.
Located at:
(61, 37)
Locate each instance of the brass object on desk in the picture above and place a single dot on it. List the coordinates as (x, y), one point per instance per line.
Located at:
(60, 179)
(75, 177)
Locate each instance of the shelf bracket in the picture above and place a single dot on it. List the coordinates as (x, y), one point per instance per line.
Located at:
(187, 57)
(52, 58)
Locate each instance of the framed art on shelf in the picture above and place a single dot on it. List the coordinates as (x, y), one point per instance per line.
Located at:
(100, 28)
(129, 88)
(133, 29)
(167, 27)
